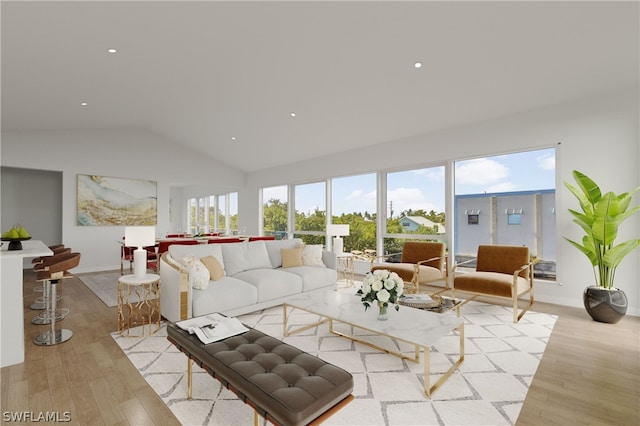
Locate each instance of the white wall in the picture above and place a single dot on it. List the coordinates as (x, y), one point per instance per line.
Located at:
(118, 153)
(598, 136)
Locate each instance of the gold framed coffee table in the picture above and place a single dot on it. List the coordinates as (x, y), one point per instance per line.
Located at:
(416, 327)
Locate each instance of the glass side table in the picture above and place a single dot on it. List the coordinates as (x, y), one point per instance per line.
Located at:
(138, 304)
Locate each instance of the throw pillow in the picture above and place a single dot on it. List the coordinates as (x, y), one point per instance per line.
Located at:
(291, 257)
(312, 255)
(213, 265)
(198, 273)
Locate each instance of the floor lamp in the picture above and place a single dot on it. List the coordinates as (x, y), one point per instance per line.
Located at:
(140, 237)
(337, 231)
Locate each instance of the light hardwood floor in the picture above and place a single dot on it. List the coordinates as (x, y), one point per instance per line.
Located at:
(589, 374)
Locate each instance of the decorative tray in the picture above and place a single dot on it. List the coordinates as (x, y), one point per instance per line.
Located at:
(420, 301)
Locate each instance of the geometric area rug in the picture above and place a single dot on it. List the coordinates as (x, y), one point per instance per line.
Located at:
(489, 387)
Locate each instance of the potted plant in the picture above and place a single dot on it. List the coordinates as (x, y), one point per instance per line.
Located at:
(600, 219)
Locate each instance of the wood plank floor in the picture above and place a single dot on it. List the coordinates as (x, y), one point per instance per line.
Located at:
(589, 374)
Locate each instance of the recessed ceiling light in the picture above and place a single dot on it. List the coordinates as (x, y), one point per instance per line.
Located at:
(233, 138)
(417, 65)
(112, 50)
(293, 114)
(83, 104)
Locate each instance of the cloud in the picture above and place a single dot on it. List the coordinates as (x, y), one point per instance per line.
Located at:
(501, 187)
(274, 193)
(481, 172)
(409, 198)
(435, 174)
(355, 194)
(547, 162)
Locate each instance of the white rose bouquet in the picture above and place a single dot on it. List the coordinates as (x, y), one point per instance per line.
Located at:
(381, 287)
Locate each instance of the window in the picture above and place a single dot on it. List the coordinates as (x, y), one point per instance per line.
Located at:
(310, 212)
(275, 211)
(415, 200)
(221, 214)
(513, 196)
(353, 202)
(209, 214)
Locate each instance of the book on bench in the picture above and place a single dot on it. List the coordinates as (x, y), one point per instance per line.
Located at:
(213, 327)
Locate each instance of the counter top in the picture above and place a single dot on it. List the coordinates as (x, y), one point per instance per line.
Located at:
(30, 248)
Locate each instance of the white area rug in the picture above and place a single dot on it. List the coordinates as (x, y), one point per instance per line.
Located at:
(489, 388)
(104, 285)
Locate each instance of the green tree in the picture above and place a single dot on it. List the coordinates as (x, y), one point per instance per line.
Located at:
(275, 215)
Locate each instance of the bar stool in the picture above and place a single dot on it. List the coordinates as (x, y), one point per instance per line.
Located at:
(42, 302)
(45, 301)
(54, 273)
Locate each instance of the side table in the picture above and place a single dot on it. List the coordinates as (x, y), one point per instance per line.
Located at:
(138, 304)
(345, 268)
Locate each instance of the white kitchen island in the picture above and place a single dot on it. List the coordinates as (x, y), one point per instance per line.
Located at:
(11, 299)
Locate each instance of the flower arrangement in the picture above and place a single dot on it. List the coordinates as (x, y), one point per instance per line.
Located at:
(382, 287)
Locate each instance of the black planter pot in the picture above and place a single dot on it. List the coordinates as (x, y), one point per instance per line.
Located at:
(605, 305)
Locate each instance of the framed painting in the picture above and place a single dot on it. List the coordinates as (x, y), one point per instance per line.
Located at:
(111, 201)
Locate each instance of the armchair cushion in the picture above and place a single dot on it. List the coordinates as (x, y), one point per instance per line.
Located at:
(414, 255)
(501, 271)
(503, 259)
(490, 283)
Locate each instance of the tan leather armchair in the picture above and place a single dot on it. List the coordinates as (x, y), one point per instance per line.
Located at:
(421, 262)
(501, 271)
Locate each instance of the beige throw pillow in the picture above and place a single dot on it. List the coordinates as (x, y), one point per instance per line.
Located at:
(213, 265)
(291, 257)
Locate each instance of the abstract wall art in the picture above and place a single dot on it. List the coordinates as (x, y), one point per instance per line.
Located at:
(112, 201)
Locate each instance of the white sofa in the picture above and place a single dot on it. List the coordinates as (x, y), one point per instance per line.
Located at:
(253, 278)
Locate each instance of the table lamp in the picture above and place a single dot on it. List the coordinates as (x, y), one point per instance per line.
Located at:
(140, 237)
(337, 231)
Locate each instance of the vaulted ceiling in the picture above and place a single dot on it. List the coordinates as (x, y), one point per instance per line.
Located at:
(224, 77)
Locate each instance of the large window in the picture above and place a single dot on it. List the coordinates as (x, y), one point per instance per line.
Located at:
(310, 212)
(353, 202)
(507, 199)
(415, 207)
(275, 211)
(213, 213)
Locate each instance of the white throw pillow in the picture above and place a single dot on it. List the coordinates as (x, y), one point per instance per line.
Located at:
(198, 273)
(312, 255)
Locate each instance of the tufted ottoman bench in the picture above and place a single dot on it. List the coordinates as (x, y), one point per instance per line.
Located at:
(280, 382)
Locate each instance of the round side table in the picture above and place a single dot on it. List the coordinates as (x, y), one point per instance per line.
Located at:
(138, 304)
(345, 267)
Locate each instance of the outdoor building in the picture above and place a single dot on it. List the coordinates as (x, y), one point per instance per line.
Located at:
(413, 223)
(525, 218)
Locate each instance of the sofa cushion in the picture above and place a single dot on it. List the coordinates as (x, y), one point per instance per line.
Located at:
(312, 255)
(245, 256)
(222, 295)
(291, 257)
(198, 273)
(272, 283)
(200, 250)
(314, 277)
(215, 268)
(274, 247)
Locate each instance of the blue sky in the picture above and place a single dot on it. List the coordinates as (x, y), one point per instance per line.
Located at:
(424, 188)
